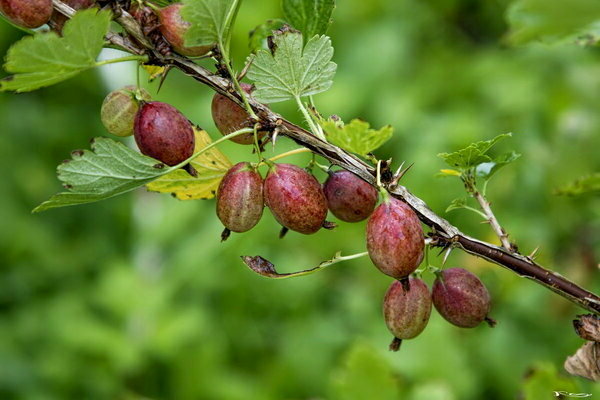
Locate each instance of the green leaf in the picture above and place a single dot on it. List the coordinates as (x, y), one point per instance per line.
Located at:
(486, 170)
(357, 136)
(550, 20)
(472, 155)
(46, 58)
(291, 72)
(210, 20)
(584, 185)
(457, 204)
(109, 169)
(258, 35)
(311, 17)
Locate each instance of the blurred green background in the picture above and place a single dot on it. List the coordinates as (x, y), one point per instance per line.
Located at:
(136, 298)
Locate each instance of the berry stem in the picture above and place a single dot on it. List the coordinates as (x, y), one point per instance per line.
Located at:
(311, 123)
(122, 59)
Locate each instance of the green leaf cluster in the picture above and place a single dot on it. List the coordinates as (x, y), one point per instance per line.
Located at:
(357, 136)
(46, 58)
(291, 71)
(475, 156)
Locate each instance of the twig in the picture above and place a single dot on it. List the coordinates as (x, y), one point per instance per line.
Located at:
(444, 234)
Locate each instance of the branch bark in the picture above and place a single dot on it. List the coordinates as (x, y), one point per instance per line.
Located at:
(443, 233)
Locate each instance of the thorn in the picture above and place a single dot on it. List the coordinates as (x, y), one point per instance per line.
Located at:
(533, 253)
(446, 255)
(400, 173)
(163, 77)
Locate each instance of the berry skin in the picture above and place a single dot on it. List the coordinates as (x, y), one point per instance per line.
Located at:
(295, 198)
(395, 239)
(163, 133)
(240, 198)
(173, 27)
(27, 13)
(461, 298)
(59, 20)
(406, 309)
(230, 117)
(349, 198)
(120, 108)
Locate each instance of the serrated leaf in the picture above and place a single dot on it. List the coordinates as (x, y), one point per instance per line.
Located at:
(211, 166)
(45, 58)
(550, 20)
(486, 170)
(472, 155)
(457, 204)
(291, 72)
(259, 35)
(584, 185)
(109, 169)
(210, 20)
(357, 136)
(311, 17)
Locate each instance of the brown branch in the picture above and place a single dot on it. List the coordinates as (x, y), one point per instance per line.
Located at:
(444, 234)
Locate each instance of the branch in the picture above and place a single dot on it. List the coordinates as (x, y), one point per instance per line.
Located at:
(444, 234)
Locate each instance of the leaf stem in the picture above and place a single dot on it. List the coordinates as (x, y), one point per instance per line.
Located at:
(311, 123)
(290, 153)
(122, 59)
(210, 146)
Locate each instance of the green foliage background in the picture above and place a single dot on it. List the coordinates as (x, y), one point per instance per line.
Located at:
(136, 298)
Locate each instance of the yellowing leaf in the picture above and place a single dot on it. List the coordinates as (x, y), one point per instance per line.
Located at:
(211, 167)
(449, 172)
(154, 71)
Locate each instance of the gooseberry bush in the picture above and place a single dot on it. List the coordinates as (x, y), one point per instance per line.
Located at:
(290, 60)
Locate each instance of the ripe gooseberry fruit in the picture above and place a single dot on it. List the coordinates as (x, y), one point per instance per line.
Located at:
(230, 117)
(349, 198)
(240, 198)
(295, 198)
(120, 108)
(406, 309)
(173, 27)
(27, 13)
(461, 298)
(58, 20)
(395, 238)
(163, 133)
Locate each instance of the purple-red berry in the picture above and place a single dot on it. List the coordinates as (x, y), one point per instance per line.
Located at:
(349, 198)
(461, 298)
(240, 198)
(406, 309)
(120, 108)
(27, 13)
(395, 238)
(173, 27)
(163, 133)
(295, 198)
(230, 117)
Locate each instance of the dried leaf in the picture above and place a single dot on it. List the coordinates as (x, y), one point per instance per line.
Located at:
(588, 327)
(585, 362)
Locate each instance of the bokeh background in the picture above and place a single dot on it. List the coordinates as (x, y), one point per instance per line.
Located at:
(136, 298)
